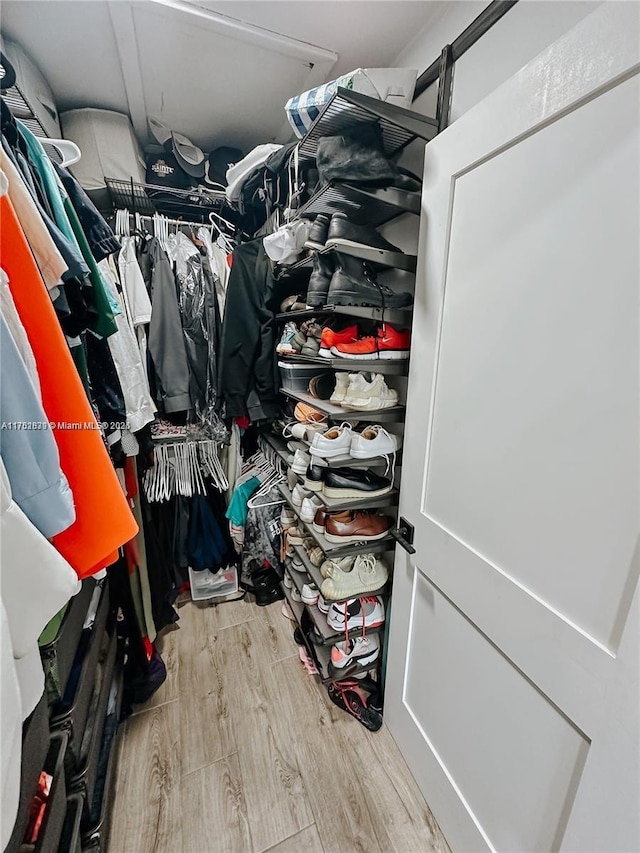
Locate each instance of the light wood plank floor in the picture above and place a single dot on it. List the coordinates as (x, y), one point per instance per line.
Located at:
(240, 751)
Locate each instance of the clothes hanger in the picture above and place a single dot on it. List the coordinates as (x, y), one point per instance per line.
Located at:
(65, 148)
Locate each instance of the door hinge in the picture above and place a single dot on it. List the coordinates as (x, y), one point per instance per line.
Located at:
(403, 534)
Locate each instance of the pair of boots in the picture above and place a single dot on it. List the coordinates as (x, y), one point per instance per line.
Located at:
(339, 279)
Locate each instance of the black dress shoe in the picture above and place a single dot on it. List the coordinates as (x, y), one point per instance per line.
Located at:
(318, 232)
(320, 280)
(343, 232)
(353, 284)
(354, 483)
(314, 477)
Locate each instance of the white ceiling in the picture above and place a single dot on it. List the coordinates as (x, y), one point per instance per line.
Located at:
(216, 85)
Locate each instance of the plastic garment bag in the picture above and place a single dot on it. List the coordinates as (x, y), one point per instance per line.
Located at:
(198, 312)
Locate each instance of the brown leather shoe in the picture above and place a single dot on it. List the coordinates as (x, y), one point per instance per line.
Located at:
(320, 520)
(354, 525)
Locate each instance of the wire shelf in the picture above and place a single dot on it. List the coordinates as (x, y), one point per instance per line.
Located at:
(363, 206)
(399, 126)
(139, 198)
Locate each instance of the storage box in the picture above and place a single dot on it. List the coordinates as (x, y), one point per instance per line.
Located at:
(295, 377)
(206, 585)
(394, 85)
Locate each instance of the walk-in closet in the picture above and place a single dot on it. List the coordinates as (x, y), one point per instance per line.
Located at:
(319, 418)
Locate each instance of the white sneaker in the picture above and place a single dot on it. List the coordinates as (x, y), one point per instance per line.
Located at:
(298, 495)
(286, 580)
(364, 396)
(301, 461)
(364, 612)
(373, 441)
(323, 606)
(357, 651)
(295, 595)
(335, 442)
(339, 392)
(295, 536)
(310, 593)
(309, 508)
(287, 518)
(367, 575)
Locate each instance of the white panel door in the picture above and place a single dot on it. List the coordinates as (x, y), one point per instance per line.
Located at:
(512, 678)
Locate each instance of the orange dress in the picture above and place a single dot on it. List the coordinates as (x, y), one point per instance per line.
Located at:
(104, 520)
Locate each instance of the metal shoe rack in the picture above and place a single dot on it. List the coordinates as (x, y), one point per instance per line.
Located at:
(372, 207)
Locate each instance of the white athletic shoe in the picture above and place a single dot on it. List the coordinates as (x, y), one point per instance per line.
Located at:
(373, 441)
(300, 462)
(334, 442)
(298, 495)
(339, 392)
(310, 593)
(309, 508)
(365, 396)
(367, 575)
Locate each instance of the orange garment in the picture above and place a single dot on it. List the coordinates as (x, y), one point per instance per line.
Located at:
(104, 521)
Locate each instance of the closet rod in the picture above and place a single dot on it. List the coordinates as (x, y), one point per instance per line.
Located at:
(178, 222)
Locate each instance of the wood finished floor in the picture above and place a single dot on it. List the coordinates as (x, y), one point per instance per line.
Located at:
(240, 751)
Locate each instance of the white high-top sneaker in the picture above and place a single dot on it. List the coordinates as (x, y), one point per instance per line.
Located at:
(342, 383)
(369, 396)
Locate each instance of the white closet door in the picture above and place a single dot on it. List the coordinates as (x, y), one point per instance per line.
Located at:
(512, 681)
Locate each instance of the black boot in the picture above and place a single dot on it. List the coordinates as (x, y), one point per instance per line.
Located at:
(354, 283)
(319, 280)
(318, 231)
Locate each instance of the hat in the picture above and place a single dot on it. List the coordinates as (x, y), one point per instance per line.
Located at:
(163, 170)
(189, 156)
(218, 162)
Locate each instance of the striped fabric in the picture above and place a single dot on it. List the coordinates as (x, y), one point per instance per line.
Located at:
(304, 109)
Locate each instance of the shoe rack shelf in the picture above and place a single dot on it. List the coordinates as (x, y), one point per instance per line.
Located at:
(364, 546)
(364, 206)
(398, 366)
(396, 316)
(279, 444)
(338, 414)
(346, 108)
(378, 258)
(316, 577)
(321, 651)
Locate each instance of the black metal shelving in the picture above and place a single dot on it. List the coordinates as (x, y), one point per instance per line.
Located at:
(395, 316)
(398, 366)
(367, 546)
(399, 126)
(363, 205)
(337, 413)
(380, 259)
(139, 198)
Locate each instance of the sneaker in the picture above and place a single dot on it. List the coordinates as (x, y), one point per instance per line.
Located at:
(355, 525)
(298, 495)
(345, 564)
(330, 338)
(310, 593)
(286, 580)
(296, 563)
(387, 344)
(323, 606)
(366, 396)
(358, 651)
(312, 344)
(300, 462)
(350, 695)
(366, 612)
(287, 518)
(334, 442)
(295, 536)
(295, 430)
(318, 232)
(340, 391)
(285, 346)
(373, 441)
(295, 595)
(316, 556)
(309, 508)
(367, 575)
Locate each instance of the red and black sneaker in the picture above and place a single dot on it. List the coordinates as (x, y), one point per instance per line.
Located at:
(350, 695)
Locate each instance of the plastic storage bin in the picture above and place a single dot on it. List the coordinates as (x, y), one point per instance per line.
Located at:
(295, 377)
(206, 585)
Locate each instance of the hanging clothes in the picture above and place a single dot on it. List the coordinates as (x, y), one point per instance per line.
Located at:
(101, 526)
(166, 341)
(248, 370)
(219, 266)
(28, 448)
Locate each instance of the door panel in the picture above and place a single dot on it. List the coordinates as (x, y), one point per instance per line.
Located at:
(512, 677)
(549, 501)
(483, 700)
